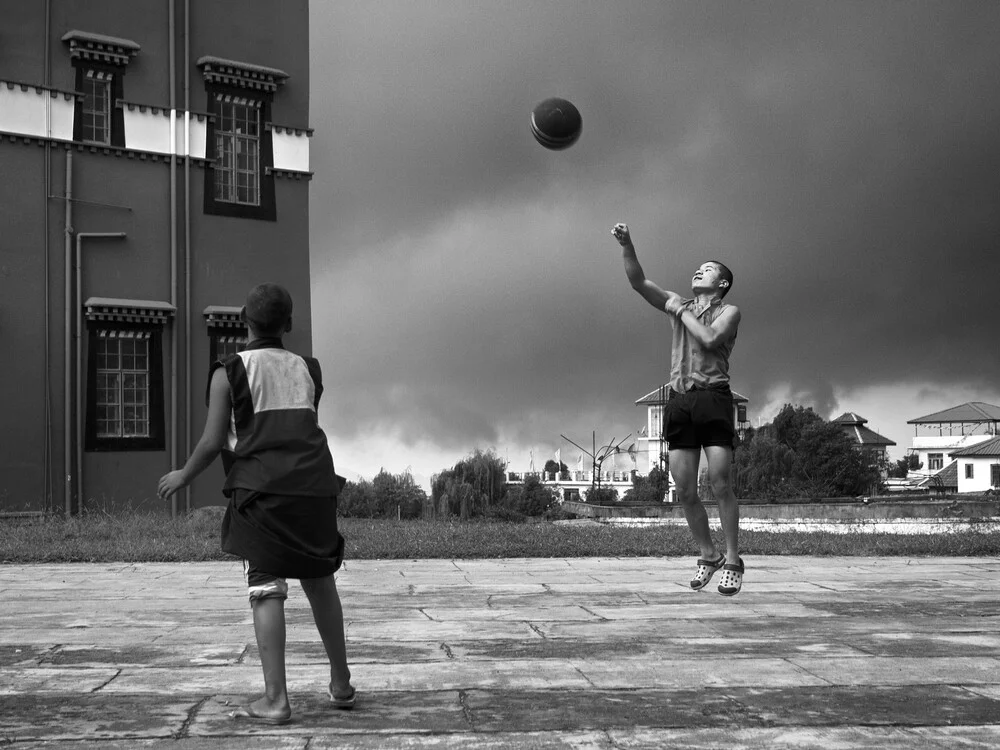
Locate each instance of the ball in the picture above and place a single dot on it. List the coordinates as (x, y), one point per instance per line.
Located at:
(556, 123)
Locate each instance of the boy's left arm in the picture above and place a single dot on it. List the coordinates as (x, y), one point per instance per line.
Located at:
(722, 329)
(212, 439)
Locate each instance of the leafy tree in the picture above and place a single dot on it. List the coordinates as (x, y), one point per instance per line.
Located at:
(387, 496)
(651, 488)
(357, 500)
(551, 467)
(801, 455)
(902, 467)
(531, 498)
(475, 483)
(398, 495)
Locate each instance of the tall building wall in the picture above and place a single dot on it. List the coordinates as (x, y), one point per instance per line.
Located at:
(147, 181)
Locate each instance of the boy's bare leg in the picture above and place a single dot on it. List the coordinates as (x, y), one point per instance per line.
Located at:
(329, 616)
(269, 627)
(684, 470)
(720, 462)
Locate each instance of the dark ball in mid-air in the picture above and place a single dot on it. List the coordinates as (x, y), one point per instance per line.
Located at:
(556, 123)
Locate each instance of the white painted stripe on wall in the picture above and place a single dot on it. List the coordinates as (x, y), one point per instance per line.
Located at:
(146, 131)
(291, 151)
(198, 128)
(288, 384)
(23, 112)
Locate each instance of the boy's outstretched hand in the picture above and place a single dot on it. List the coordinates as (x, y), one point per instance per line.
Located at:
(170, 483)
(621, 233)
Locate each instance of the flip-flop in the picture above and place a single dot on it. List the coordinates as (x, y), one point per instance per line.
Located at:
(706, 569)
(732, 578)
(344, 704)
(248, 713)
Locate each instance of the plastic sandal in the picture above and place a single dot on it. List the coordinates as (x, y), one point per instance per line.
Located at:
(732, 578)
(706, 569)
(345, 704)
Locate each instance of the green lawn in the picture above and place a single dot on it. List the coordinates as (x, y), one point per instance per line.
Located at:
(142, 537)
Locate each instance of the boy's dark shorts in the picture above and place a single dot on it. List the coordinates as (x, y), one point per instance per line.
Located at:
(698, 418)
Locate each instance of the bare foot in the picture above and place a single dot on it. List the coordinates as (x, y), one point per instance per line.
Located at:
(263, 710)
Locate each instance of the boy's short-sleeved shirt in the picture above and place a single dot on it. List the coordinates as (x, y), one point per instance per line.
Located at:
(691, 364)
(275, 443)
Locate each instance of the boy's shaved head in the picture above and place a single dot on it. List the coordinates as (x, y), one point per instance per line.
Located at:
(269, 309)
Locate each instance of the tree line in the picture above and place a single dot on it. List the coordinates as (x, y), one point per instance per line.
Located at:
(798, 455)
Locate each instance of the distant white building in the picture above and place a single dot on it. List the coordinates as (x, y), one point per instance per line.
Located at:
(978, 466)
(939, 436)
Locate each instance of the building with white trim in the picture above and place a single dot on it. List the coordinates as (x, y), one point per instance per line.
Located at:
(156, 166)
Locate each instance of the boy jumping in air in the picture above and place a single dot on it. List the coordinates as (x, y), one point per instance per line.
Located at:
(698, 414)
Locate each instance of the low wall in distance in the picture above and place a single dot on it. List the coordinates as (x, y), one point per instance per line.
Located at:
(873, 510)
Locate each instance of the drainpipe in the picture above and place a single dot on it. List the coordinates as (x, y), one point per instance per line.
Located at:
(80, 237)
(68, 342)
(171, 32)
(47, 447)
(187, 241)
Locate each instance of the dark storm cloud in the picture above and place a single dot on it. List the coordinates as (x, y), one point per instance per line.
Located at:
(842, 158)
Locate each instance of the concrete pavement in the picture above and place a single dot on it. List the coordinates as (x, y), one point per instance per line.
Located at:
(523, 653)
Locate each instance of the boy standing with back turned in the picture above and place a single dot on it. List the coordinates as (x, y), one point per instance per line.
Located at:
(282, 490)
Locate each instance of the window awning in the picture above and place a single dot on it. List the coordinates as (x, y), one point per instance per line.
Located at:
(223, 316)
(114, 310)
(100, 48)
(242, 74)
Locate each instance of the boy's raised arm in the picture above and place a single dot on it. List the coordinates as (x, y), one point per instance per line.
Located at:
(651, 292)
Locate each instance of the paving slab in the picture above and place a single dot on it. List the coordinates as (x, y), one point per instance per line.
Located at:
(600, 653)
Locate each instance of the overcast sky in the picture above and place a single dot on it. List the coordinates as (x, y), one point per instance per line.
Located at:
(842, 158)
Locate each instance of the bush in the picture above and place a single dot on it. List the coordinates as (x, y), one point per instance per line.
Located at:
(601, 496)
(649, 489)
(529, 499)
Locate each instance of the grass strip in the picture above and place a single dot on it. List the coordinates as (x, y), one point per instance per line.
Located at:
(149, 537)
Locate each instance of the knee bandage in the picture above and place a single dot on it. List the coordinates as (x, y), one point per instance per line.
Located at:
(264, 585)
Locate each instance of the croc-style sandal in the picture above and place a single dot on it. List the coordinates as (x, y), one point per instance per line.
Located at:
(706, 569)
(732, 578)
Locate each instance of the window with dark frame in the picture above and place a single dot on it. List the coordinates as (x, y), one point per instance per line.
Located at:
(237, 150)
(995, 475)
(969, 470)
(124, 374)
(227, 334)
(239, 178)
(935, 461)
(123, 380)
(95, 110)
(225, 344)
(100, 63)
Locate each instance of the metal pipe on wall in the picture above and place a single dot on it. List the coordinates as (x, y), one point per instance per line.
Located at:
(80, 237)
(171, 33)
(187, 241)
(47, 399)
(68, 342)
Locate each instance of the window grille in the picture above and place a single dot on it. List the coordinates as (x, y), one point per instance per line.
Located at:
(123, 379)
(95, 125)
(237, 150)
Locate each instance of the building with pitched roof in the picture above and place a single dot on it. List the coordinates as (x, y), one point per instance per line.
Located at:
(863, 438)
(978, 466)
(940, 434)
